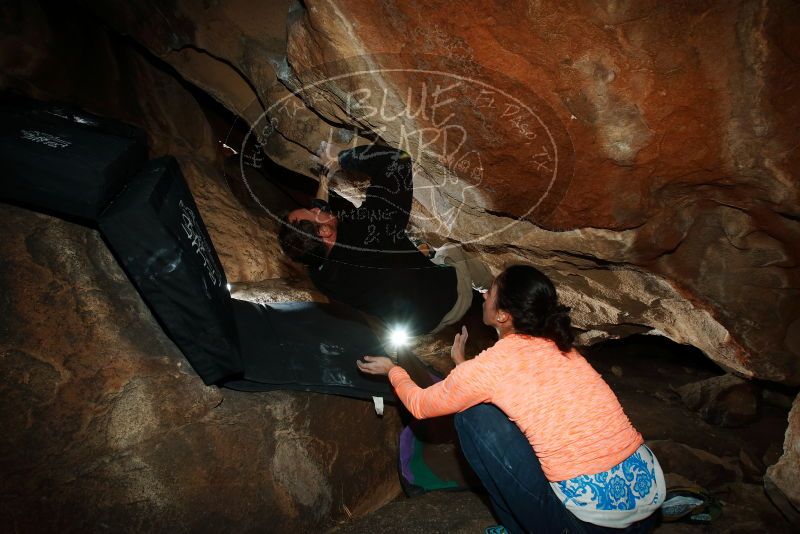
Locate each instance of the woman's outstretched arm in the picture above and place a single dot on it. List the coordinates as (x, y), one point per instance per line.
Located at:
(471, 382)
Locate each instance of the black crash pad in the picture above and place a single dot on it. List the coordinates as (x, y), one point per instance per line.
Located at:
(306, 346)
(154, 229)
(61, 160)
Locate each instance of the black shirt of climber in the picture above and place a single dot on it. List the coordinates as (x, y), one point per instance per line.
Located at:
(373, 266)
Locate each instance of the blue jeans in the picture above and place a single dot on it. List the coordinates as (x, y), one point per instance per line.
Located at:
(521, 496)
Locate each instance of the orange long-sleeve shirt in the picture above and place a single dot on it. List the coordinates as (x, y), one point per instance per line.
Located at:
(570, 416)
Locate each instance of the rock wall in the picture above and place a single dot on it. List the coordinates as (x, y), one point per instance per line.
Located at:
(641, 152)
(104, 423)
(781, 480)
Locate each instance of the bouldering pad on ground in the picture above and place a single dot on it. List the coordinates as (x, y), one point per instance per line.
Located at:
(306, 346)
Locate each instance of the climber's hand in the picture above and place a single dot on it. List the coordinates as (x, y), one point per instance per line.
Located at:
(328, 154)
(375, 365)
(457, 350)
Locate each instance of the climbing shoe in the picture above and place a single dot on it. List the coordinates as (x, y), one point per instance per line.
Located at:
(691, 505)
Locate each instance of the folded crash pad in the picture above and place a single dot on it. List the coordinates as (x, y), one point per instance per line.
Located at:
(154, 229)
(306, 346)
(61, 160)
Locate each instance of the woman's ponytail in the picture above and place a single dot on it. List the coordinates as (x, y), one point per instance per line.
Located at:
(558, 327)
(530, 298)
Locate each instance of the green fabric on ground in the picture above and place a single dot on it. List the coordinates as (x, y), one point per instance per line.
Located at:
(423, 476)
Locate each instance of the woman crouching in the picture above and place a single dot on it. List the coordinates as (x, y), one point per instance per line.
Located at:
(540, 427)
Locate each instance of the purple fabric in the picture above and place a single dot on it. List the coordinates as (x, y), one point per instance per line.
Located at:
(406, 451)
(407, 442)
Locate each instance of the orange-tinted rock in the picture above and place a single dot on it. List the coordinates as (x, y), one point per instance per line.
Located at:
(673, 130)
(678, 121)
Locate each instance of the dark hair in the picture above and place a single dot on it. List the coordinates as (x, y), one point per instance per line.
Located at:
(530, 298)
(301, 242)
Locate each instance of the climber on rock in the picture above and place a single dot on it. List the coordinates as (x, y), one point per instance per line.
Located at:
(363, 257)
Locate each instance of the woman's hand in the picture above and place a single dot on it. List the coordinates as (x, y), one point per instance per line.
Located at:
(459, 342)
(375, 365)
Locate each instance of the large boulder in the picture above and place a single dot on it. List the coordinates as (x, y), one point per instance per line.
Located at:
(653, 124)
(700, 467)
(782, 480)
(725, 400)
(640, 152)
(104, 423)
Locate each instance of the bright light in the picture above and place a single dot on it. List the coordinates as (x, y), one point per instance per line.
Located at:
(229, 288)
(399, 337)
